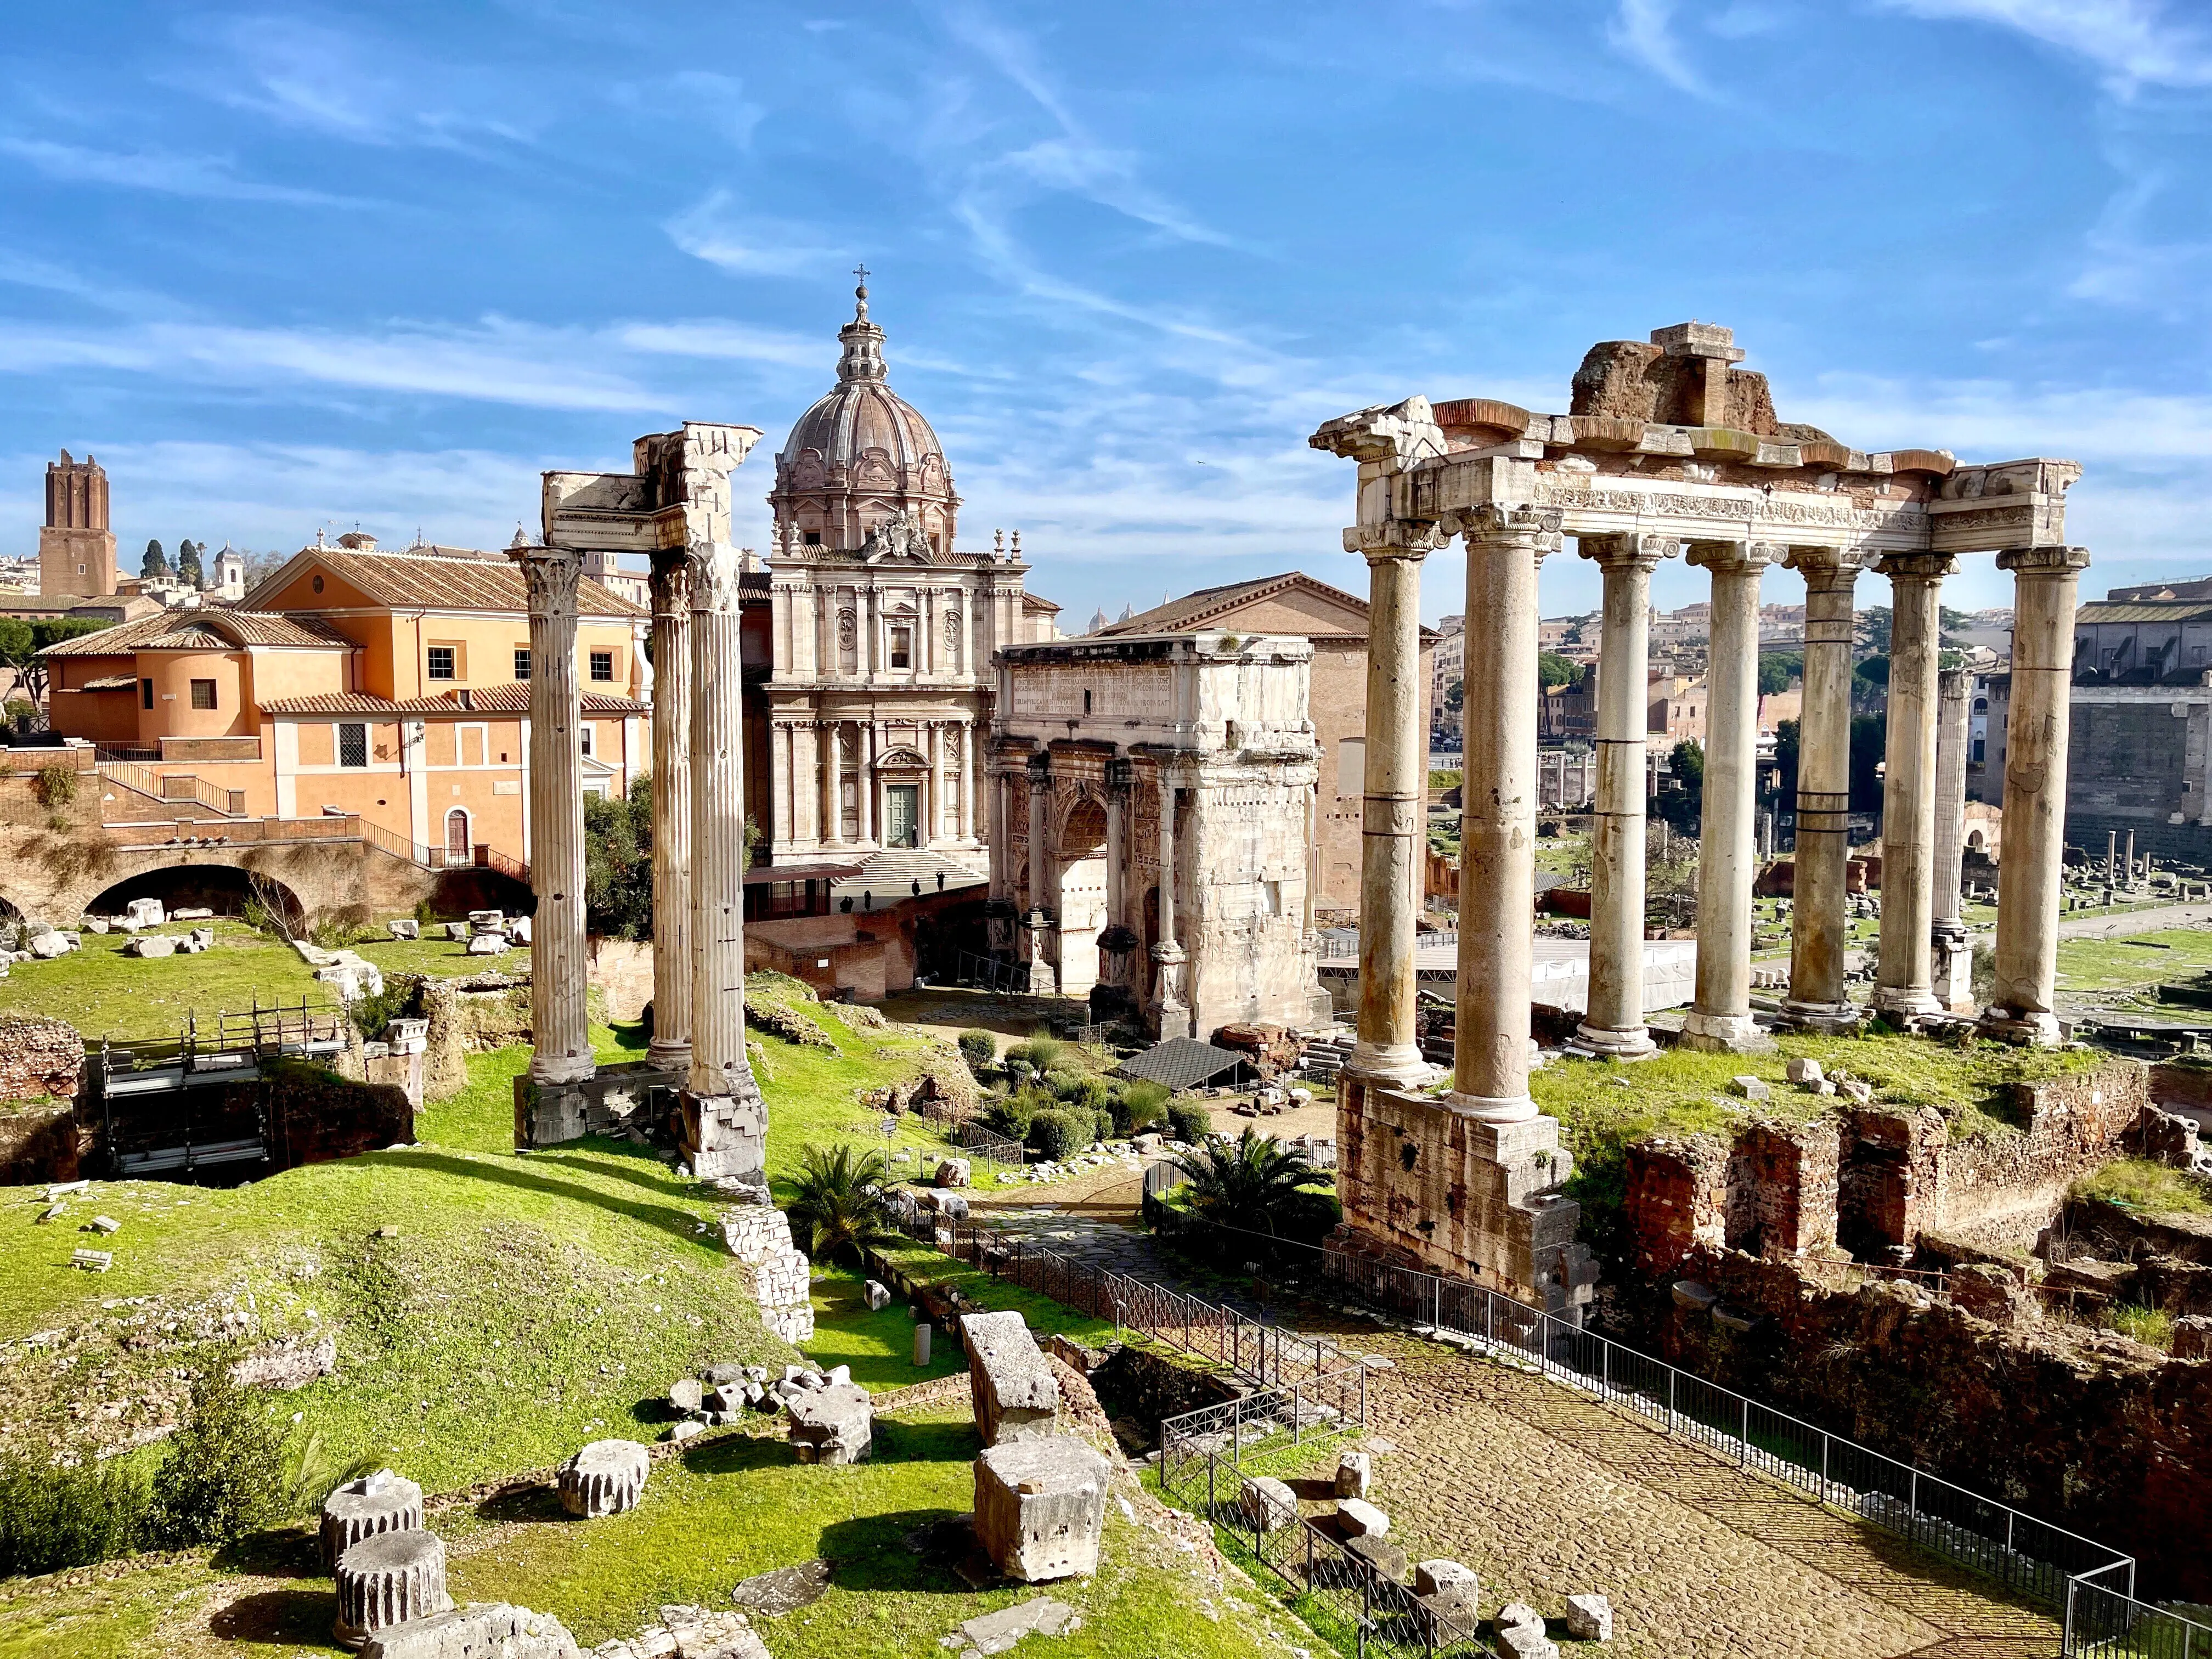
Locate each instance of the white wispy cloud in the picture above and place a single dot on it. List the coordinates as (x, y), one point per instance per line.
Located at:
(717, 230)
(1644, 30)
(2134, 43)
(165, 172)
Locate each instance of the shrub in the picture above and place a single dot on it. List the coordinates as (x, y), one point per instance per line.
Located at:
(979, 1047)
(52, 1518)
(1253, 1182)
(1082, 1090)
(56, 785)
(1060, 1135)
(1044, 1053)
(1019, 1070)
(1189, 1120)
(1014, 1114)
(1142, 1105)
(1104, 1117)
(226, 1475)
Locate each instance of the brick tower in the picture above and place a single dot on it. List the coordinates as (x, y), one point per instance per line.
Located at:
(77, 550)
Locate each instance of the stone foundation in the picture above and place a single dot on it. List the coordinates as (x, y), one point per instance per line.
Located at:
(774, 1273)
(614, 1100)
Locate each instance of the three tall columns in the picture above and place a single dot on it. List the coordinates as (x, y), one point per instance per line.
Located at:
(1613, 1024)
(1818, 921)
(1728, 855)
(1497, 825)
(1904, 978)
(560, 1028)
(671, 1046)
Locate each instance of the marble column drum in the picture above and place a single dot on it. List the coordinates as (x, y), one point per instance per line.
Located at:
(386, 1580)
(2045, 584)
(671, 811)
(1819, 925)
(559, 966)
(1612, 1026)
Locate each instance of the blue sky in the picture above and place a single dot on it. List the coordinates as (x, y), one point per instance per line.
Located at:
(285, 267)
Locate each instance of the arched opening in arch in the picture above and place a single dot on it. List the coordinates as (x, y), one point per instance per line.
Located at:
(1080, 902)
(222, 888)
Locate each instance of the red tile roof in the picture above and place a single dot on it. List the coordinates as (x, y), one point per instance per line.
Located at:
(439, 580)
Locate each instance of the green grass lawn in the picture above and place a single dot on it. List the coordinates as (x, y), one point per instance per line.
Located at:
(2106, 967)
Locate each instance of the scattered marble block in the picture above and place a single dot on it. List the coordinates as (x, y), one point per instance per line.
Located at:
(144, 911)
(877, 1296)
(1269, 1504)
(687, 1394)
(1361, 1519)
(488, 944)
(1015, 1394)
(953, 1172)
(1526, 1642)
(994, 1633)
(47, 946)
(151, 945)
(605, 1478)
(1450, 1590)
(1806, 1073)
(482, 1629)
(388, 1579)
(458, 932)
(1750, 1088)
(1353, 1470)
(379, 1503)
(1040, 1508)
(1855, 1091)
(921, 1335)
(1589, 1618)
(690, 1428)
(834, 1424)
(408, 928)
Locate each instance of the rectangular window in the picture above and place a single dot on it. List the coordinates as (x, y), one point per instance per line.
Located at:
(145, 693)
(603, 665)
(902, 647)
(585, 732)
(441, 663)
(203, 694)
(522, 662)
(353, 743)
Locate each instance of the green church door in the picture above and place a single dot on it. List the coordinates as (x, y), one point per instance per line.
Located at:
(901, 815)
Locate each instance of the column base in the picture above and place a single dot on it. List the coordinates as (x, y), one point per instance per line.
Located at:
(1911, 1002)
(1390, 1065)
(1173, 1019)
(1484, 1108)
(725, 1135)
(2035, 1029)
(1605, 1042)
(670, 1056)
(546, 1068)
(1725, 1033)
(1820, 1018)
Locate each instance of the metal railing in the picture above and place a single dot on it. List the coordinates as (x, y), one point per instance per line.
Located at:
(988, 1143)
(169, 787)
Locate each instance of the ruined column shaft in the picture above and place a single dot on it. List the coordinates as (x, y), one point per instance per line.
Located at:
(671, 811)
(1954, 728)
(1614, 1023)
(1904, 978)
(1817, 924)
(1170, 1012)
(1497, 825)
(560, 1031)
(1391, 848)
(1728, 853)
(718, 828)
(2044, 580)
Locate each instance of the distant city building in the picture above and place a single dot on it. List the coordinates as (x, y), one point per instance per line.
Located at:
(76, 549)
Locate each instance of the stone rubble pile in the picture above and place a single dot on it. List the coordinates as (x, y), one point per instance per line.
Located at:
(831, 1421)
(774, 1274)
(687, 1632)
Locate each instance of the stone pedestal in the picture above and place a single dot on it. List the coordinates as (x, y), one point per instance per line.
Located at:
(388, 1579)
(1904, 982)
(1613, 1027)
(1040, 1508)
(1818, 923)
(671, 809)
(2044, 580)
(606, 1477)
(772, 1271)
(379, 1503)
(1728, 854)
(832, 1424)
(1014, 1392)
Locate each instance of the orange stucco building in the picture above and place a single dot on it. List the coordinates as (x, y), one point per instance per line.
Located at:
(390, 685)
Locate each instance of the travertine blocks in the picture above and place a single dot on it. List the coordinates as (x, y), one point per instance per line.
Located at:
(832, 1424)
(1361, 1519)
(775, 1274)
(953, 1172)
(383, 1502)
(1015, 1393)
(1353, 1470)
(1589, 1618)
(483, 1630)
(1269, 1504)
(606, 1477)
(1040, 1508)
(388, 1579)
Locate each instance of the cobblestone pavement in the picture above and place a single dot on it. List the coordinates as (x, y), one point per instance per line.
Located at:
(1546, 1495)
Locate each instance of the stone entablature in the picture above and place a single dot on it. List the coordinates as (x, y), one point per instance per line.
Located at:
(1100, 742)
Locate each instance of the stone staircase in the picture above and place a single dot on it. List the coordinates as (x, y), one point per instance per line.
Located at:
(1326, 1055)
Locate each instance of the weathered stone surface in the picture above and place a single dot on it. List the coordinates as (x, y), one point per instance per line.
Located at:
(1015, 1393)
(922, 1335)
(1040, 1507)
(404, 927)
(387, 1579)
(38, 1057)
(488, 944)
(288, 1363)
(1361, 1519)
(2193, 1337)
(1269, 1504)
(1806, 1073)
(1750, 1088)
(378, 1503)
(686, 1395)
(145, 913)
(833, 1423)
(1526, 1642)
(482, 1629)
(774, 1274)
(953, 1172)
(784, 1590)
(151, 945)
(877, 1297)
(1589, 1618)
(1440, 1577)
(1353, 1470)
(604, 1478)
(994, 1633)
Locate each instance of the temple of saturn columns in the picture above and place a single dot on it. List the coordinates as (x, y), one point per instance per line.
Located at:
(674, 508)
(1668, 451)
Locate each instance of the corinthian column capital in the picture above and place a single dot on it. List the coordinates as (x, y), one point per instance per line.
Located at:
(712, 577)
(2027, 563)
(1917, 566)
(1495, 522)
(550, 575)
(671, 581)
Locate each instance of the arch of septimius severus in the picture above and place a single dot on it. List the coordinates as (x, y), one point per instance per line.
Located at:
(1668, 451)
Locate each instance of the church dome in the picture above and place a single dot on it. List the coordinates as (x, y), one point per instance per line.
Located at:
(862, 455)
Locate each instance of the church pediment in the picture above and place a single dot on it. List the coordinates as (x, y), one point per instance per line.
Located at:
(901, 759)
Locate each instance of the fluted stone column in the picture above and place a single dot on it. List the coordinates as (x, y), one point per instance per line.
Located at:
(560, 1030)
(1728, 853)
(1171, 1011)
(1392, 835)
(2044, 580)
(1819, 930)
(1117, 820)
(672, 809)
(725, 1119)
(1904, 974)
(1953, 966)
(1497, 825)
(1613, 1024)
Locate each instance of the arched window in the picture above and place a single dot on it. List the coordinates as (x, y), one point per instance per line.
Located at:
(457, 835)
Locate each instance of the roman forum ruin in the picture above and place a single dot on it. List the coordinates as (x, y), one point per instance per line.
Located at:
(1668, 448)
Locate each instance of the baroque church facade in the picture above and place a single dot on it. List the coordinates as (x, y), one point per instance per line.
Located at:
(880, 698)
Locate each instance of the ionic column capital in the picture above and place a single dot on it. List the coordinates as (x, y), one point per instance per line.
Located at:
(1735, 557)
(1917, 566)
(1826, 569)
(1395, 540)
(2027, 563)
(1638, 550)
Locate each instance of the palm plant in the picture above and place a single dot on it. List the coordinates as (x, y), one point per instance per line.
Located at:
(1251, 1183)
(837, 1200)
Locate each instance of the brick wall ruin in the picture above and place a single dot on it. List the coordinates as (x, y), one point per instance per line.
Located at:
(40, 1059)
